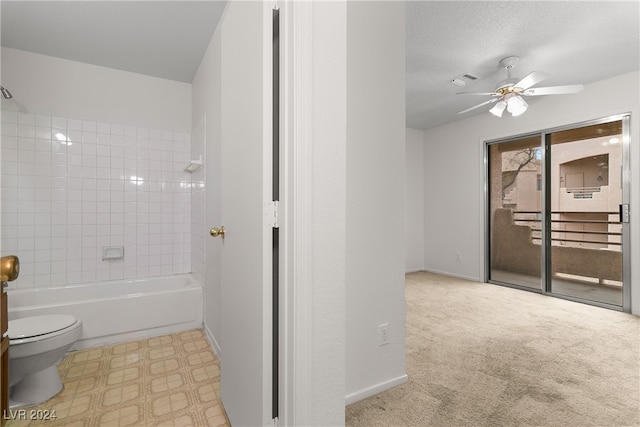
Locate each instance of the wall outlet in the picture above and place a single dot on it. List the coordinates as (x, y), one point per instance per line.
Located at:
(383, 334)
(458, 256)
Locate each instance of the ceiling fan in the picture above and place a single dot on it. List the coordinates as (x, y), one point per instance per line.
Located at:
(509, 93)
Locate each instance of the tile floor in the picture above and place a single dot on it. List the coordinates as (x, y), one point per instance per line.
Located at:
(172, 380)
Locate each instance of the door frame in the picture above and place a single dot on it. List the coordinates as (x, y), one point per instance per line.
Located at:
(296, 189)
(545, 286)
(312, 36)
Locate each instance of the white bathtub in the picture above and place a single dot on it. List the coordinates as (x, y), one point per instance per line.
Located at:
(116, 311)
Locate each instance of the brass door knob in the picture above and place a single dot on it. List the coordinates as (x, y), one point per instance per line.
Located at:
(215, 232)
(9, 268)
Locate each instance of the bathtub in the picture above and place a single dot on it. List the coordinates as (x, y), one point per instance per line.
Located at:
(116, 311)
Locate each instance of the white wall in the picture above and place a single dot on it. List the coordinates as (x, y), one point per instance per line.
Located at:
(43, 84)
(453, 159)
(117, 181)
(375, 199)
(326, 177)
(414, 214)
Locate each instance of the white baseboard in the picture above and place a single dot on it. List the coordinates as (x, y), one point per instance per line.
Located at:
(413, 270)
(214, 344)
(375, 389)
(447, 273)
(134, 336)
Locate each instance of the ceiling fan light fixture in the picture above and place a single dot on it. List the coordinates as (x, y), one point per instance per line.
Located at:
(498, 109)
(509, 93)
(516, 105)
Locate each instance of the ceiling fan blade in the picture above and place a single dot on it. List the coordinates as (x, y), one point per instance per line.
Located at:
(479, 93)
(531, 79)
(491, 101)
(553, 90)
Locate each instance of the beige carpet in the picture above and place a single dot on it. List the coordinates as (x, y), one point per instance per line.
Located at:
(485, 355)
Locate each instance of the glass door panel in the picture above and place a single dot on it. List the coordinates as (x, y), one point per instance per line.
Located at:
(515, 170)
(586, 185)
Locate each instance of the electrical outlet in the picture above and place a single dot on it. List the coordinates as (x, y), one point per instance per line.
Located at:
(458, 256)
(383, 334)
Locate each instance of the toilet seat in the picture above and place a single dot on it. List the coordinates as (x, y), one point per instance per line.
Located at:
(36, 328)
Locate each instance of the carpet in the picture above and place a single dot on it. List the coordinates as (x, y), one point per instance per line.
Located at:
(486, 355)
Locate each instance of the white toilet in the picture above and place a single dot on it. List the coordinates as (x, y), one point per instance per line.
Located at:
(35, 345)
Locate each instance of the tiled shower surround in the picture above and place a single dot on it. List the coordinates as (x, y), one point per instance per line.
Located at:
(71, 187)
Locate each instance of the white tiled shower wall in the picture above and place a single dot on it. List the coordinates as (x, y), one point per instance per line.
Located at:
(71, 187)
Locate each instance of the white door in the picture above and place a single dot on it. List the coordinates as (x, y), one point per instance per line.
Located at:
(246, 187)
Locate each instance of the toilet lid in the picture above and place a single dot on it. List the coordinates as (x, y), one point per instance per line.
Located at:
(28, 327)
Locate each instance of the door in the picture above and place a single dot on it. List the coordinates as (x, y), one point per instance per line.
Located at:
(586, 234)
(515, 210)
(558, 212)
(246, 179)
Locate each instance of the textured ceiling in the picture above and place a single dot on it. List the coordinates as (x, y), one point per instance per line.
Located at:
(573, 41)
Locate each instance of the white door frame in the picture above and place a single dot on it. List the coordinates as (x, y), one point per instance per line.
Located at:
(296, 208)
(313, 174)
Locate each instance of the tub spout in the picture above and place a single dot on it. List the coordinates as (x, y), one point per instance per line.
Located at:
(9, 269)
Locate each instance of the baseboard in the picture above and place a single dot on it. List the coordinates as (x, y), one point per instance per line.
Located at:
(214, 344)
(375, 389)
(447, 273)
(134, 336)
(413, 270)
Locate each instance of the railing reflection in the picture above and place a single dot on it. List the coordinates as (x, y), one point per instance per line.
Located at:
(593, 230)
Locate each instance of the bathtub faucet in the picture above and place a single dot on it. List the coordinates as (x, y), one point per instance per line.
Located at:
(9, 269)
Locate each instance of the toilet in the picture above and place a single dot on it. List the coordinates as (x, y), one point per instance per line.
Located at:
(35, 346)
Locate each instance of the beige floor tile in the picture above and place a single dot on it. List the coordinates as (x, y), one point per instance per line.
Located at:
(161, 352)
(88, 355)
(164, 366)
(206, 393)
(169, 382)
(172, 380)
(214, 416)
(78, 386)
(179, 420)
(128, 415)
(126, 359)
(190, 335)
(195, 345)
(121, 395)
(84, 369)
(204, 373)
(161, 341)
(75, 406)
(200, 357)
(126, 348)
(123, 375)
(173, 403)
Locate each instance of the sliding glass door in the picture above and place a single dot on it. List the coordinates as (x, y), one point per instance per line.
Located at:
(558, 204)
(586, 192)
(515, 168)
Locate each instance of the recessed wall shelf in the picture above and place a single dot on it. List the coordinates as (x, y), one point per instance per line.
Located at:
(112, 253)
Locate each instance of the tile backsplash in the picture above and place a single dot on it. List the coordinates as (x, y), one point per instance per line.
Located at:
(71, 187)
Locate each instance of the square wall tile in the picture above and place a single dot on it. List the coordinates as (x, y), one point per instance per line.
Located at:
(71, 186)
